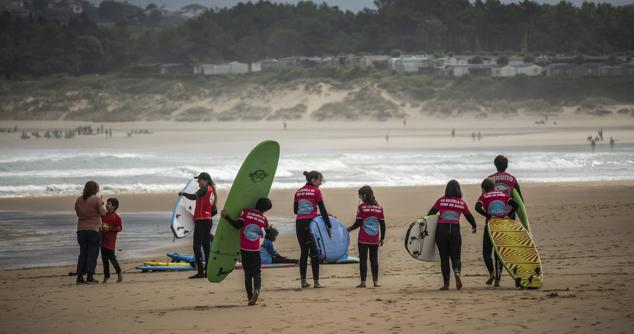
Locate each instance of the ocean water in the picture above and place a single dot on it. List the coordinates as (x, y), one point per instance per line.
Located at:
(53, 172)
(32, 239)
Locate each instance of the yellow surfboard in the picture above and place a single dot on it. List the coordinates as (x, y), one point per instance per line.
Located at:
(515, 248)
(173, 264)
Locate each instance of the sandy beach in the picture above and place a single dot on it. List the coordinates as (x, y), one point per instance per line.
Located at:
(583, 232)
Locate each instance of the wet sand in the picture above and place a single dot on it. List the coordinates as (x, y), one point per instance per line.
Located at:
(583, 231)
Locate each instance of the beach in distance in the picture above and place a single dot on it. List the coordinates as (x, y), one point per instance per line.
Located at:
(579, 201)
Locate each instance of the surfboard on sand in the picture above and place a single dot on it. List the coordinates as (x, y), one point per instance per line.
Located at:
(515, 248)
(420, 239)
(182, 223)
(334, 247)
(521, 212)
(253, 181)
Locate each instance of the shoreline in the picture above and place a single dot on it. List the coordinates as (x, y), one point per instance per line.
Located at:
(164, 201)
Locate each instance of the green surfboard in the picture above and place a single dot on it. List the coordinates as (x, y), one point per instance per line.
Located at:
(253, 181)
(521, 212)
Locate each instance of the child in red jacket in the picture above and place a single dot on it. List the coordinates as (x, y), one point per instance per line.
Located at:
(110, 225)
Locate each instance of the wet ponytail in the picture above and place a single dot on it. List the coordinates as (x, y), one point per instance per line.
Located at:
(310, 176)
(367, 195)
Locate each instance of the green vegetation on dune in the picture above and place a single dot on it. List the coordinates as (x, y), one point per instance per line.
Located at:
(368, 94)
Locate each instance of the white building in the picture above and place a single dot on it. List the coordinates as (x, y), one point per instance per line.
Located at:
(530, 70)
(409, 64)
(233, 67)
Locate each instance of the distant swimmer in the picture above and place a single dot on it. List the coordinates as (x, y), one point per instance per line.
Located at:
(448, 239)
(611, 143)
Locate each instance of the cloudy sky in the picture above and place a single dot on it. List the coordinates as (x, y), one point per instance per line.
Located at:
(353, 5)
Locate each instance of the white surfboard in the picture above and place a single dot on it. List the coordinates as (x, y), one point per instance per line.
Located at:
(420, 240)
(183, 215)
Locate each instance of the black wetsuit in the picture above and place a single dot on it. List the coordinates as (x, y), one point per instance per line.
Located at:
(306, 242)
(449, 243)
(487, 245)
(251, 263)
(372, 249)
(202, 234)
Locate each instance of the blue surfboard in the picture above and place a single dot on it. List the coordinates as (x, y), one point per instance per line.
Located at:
(334, 247)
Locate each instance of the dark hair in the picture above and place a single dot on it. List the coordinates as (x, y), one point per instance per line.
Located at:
(264, 204)
(271, 233)
(210, 182)
(501, 163)
(367, 195)
(488, 184)
(90, 188)
(453, 189)
(310, 176)
(114, 202)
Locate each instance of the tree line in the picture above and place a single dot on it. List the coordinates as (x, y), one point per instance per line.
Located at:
(35, 46)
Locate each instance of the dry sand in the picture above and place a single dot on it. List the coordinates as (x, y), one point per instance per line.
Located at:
(584, 233)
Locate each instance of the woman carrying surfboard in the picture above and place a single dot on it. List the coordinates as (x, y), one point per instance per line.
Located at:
(307, 200)
(448, 238)
(371, 234)
(493, 203)
(205, 209)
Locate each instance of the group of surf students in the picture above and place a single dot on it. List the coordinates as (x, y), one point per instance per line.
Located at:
(495, 201)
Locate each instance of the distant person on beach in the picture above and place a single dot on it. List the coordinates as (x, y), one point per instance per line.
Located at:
(479, 136)
(268, 253)
(205, 209)
(600, 133)
(611, 143)
(505, 182)
(448, 239)
(285, 125)
(250, 224)
(89, 209)
(593, 144)
(111, 224)
(473, 136)
(453, 133)
(371, 234)
(492, 203)
(306, 202)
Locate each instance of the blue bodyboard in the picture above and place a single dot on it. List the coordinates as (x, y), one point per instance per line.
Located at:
(330, 248)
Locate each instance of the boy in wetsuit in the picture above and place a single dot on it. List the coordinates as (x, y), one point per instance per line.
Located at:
(493, 203)
(250, 224)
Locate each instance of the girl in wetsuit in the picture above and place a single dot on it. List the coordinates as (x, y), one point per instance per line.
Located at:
(493, 203)
(307, 199)
(371, 234)
(205, 199)
(448, 239)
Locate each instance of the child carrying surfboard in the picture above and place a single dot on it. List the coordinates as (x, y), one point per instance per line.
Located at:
(371, 234)
(250, 224)
(493, 203)
(307, 200)
(448, 239)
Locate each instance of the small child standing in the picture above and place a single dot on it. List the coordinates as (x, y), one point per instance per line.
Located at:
(250, 224)
(110, 225)
(371, 234)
